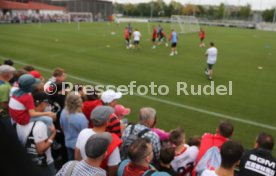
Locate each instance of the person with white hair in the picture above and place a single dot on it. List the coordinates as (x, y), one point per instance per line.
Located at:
(147, 120)
(6, 74)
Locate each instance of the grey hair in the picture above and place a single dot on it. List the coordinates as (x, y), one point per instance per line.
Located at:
(73, 103)
(146, 114)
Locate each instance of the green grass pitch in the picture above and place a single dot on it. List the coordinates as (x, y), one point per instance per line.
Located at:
(86, 54)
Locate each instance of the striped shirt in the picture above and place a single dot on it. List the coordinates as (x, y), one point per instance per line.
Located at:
(114, 125)
(81, 169)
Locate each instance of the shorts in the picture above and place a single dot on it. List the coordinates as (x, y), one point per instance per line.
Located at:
(210, 66)
(136, 42)
(174, 45)
(127, 39)
(153, 39)
(201, 39)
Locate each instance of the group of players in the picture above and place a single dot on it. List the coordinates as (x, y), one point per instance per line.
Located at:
(159, 37)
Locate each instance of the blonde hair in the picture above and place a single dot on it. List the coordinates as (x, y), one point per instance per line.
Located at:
(73, 103)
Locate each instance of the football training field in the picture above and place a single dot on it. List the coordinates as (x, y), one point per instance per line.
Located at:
(96, 53)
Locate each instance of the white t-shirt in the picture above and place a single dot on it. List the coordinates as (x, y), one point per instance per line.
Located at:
(136, 36)
(183, 162)
(212, 55)
(39, 133)
(83, 137)
(209, 173)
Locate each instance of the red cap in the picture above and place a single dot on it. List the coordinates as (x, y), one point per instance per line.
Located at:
(35, 74)
(120, 110)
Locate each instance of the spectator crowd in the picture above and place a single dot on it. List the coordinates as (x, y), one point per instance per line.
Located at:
(80, 134)
(33, 18)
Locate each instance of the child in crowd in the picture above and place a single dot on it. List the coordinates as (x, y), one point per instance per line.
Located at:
(21, 105)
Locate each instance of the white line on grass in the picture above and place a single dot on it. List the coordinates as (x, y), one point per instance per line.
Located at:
(192, 108)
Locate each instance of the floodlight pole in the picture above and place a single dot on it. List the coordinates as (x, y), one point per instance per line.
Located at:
(151, 10)
(274, 18)
(194, 9)
(261, 3)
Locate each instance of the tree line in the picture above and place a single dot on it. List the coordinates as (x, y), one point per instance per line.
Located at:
(159, 8)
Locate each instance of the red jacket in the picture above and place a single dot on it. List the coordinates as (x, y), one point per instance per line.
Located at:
(88, 107)
(207, 141)
(116, 142)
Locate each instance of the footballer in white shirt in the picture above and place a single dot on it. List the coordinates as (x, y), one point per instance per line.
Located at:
(136, 38)
(211, 55)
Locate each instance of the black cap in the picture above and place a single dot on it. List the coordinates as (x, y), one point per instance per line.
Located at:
(40, 97)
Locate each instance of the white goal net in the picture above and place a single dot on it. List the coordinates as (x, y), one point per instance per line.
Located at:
(80, 17)
(184, 24)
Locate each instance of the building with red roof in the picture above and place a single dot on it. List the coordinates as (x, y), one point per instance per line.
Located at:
(11, 5)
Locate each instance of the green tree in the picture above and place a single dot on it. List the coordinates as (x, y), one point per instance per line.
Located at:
(245, 11)
(118, 8)
(268, 15)
(211, 13)
(143, 9)
(129, 9)
(176, 8)
(201, 11)
(189, 9)
(168, 10)
(220, 11)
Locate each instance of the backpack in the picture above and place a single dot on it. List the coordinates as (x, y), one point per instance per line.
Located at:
(149, 172)
(30, 147)
(130, 139)
(211, 160)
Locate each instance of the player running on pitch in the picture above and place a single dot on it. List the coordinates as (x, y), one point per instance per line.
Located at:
(154, 37)
(162, 38)
(126, 35)
(136, 39)
(201, 35)
(211, 55)
(174, 39)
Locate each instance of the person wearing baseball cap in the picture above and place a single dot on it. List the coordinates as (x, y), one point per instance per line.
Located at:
(6, 74)
(37, 74)
(109, 98)
(41, 98)
(121, 111)
(95, 148)
(100, 118)
(21, 105)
